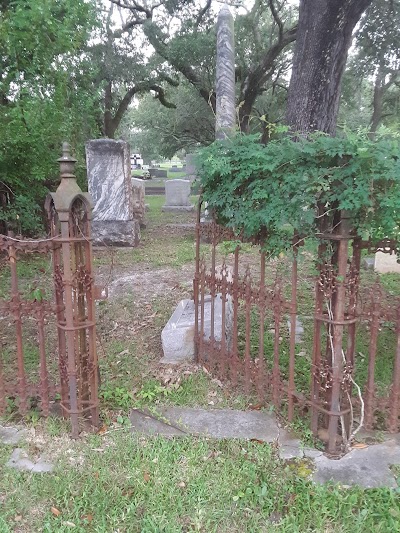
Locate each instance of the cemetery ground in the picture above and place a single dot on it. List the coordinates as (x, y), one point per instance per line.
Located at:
(114, 481)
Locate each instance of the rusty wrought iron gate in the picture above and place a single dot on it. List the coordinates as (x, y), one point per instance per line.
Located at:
(54, 360)
(248, 326)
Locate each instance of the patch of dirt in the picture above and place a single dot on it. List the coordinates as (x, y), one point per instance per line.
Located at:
(146, 283)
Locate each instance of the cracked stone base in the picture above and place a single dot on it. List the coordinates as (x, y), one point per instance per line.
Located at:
(115, 232)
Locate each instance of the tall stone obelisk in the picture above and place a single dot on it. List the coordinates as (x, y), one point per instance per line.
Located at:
(225, 78)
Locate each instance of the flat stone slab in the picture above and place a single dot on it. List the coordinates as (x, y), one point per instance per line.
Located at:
(386, 263)
(19, 459)
(368, 467)
(214, 423)
(11, 435)
(177, 337)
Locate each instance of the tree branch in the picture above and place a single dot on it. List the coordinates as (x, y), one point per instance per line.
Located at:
(277, 18)
(201, 14)
(161, 96)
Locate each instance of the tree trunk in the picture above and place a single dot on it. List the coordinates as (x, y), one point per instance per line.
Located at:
(377, 103)
(324, 36)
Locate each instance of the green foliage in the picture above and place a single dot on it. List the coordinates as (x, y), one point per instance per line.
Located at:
(45, 98)
(268, 191)
(116, 397)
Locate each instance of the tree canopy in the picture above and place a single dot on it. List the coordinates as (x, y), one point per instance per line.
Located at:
(80, 69)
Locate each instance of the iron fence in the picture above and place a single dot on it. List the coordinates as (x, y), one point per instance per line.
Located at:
(251, 328)
(59, 313)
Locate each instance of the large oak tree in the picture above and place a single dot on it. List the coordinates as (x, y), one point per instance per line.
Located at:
(324, 36)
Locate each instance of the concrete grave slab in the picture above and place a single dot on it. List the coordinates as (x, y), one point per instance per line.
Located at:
(386, 263)
(19, 459)
(368, 467)
(11, 435)
(177, 337)
(215, 423)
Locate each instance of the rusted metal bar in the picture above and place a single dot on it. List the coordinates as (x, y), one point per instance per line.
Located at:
(3, 402)
(261, 377)
(223, 354)
(374, 329)
(316, 356)
(338, 310)
(235, 297)
(69, 320)
(15, 296)
(43, 372)
(276, 369)
(202, 295)
(196, 282)
(91, 318)
(247, 357)
(293, 321)
(395, 396)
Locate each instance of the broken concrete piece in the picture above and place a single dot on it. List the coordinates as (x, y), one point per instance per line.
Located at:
(19, 459)
(178, 335)
(11, 435)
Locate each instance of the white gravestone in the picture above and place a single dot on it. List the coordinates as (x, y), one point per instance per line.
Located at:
(386, 263)
(177, 196)
(178, 335)
(138, 200)
(109, 183)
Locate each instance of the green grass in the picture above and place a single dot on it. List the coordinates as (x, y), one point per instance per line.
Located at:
(130, 484)
(32, 271)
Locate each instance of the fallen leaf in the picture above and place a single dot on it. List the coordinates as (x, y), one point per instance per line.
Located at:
(146, 477)
(256, 407)
(18, 518)
(55, 511)
(258, 441)
(182, 484)
(102, 430)
(96, 475)
(69, 524)
(88, 517)
(360, 445)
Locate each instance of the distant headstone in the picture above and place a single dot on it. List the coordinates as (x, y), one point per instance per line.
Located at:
(177, 196)
(160, 173)
(109, 183)
(190, 167)
(138, 200)
(386, 263)
(178, 335)
(153, 172)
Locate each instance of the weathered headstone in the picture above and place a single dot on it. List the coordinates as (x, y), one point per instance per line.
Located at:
(177, 196)
(138, 200)
(178, 335)
(153, 172)
(225, 76)
(386, 263)
(109, 183)
(160, 173)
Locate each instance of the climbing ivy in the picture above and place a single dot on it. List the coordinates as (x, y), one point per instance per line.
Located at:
(267, 191)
